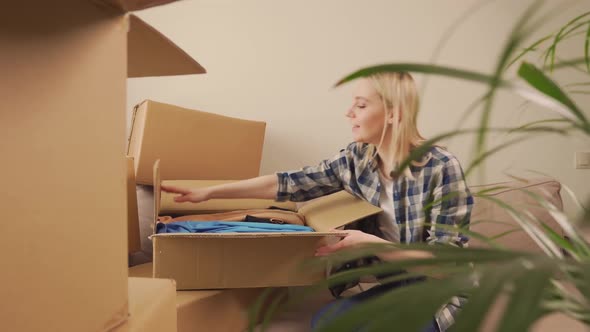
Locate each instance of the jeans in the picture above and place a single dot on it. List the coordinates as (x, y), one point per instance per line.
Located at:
(339, 307)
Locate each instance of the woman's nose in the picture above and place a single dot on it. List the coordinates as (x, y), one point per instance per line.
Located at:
(349, 113)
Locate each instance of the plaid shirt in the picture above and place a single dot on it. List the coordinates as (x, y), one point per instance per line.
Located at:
(440, 177)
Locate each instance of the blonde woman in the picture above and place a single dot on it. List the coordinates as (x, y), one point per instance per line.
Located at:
(383, 119)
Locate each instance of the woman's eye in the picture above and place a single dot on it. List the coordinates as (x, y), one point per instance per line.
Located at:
(361, 106)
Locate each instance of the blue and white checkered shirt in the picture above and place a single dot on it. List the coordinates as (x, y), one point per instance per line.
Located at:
(440, 177)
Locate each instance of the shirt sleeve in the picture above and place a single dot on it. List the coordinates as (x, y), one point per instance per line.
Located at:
(452, 205)
(314, 181)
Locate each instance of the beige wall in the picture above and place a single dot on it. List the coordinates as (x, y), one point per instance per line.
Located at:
(277, 61)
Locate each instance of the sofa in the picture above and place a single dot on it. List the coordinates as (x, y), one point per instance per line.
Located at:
(515, 193)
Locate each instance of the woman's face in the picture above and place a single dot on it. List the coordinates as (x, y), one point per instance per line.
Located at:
(366, 114)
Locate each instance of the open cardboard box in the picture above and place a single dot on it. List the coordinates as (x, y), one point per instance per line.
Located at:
(213, 144)
(241, 260)
(64, 66)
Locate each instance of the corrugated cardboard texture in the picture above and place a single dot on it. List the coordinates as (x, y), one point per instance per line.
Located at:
(339, 209)
(194, 145)
(64, 69)
(152, 306)
(62, 118)
(62, 121)
(133, 243)
(211, 310)
(150, 53)
(219, 262)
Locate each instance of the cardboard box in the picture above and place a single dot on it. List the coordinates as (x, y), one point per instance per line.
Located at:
(193, 145)
(64, 68)
(212, 310)
(152, 306)
(231, 260)
(133, 242)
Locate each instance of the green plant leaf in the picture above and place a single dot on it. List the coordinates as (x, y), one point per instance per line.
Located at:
(419, 152)
(450, 32)
(544, 84)
(558, 239)
(256, 313)
(421, 68)
(485, 154)
(569, 85)
(534, 123)
(517, 34)
(376, 314)
(482, 298)
(444, 258)
(562, 32)
(581, 245)
(583, 283)
(529, 49)
(523, 307)
(508, 232)
(568, 63)
(532, 230)
(587, 48)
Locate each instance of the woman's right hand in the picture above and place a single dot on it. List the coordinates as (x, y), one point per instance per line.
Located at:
(188, 195)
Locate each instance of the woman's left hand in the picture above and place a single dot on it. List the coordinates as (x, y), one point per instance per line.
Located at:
(352, 238)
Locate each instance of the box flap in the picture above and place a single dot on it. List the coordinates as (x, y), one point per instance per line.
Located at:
(332, 211)
(133, 5)
(157, 193)
(133, 238)
(207, 146)
(169, 206)
(150, 53)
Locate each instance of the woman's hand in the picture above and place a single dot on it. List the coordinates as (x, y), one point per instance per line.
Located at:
(188, 195)
(355, 238)
(352, 238)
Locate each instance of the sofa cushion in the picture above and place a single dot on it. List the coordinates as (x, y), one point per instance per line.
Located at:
(490, 219)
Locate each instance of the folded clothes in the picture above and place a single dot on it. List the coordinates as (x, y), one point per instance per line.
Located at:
(227, 227)
(274, 215)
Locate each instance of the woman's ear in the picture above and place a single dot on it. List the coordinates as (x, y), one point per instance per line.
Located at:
(391, 116)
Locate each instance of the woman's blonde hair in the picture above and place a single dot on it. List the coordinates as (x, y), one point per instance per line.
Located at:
(399, 95)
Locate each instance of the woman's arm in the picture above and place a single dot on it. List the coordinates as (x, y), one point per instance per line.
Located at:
(452, 207)
(298, 185)
(261, 187)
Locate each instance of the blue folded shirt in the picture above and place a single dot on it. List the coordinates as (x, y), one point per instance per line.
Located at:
(228, 227)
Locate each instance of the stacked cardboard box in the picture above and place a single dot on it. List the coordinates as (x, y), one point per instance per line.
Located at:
(64, 67)
(213, 310)
(218, 276)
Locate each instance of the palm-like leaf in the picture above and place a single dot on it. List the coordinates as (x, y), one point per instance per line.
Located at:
(544, 84)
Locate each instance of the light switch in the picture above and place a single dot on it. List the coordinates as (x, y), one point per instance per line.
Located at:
(582, 159)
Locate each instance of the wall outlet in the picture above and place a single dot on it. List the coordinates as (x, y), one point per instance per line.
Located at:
(582, 160)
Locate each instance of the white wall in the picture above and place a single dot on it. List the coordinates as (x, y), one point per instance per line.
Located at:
(276, 61)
